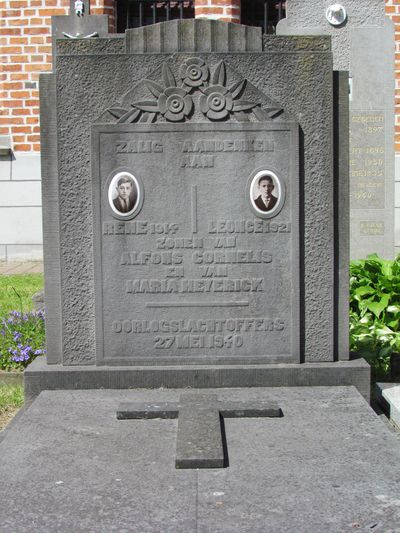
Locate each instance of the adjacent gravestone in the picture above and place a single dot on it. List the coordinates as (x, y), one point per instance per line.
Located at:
(197, 211)
(363, 44)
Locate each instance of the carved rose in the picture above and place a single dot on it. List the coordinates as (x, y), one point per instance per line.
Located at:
(175, 104)
(194, 72)
(216, 102)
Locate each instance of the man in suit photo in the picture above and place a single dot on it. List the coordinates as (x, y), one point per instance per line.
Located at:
(127, 195)
(266, 200)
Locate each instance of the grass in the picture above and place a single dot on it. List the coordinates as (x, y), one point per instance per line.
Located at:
(11, 399)
(16, 292)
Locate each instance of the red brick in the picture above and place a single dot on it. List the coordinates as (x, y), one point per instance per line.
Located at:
(36, 31)
(19, 59)
(209, 11)
(37, 67)
(20, 111)
(12, 103)
(11, 120)
(10, 86)
(11, 13)
(18, 40)
(10, 31)
(21, 147)
(31, 103)
(37, 39)
(51, 12)
(21, 129)
(17, 3)
(11, 68)
(19, 94)
(12, 49)
(234, 12)
(17, 22)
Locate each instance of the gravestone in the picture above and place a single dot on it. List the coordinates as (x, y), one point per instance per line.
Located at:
(363, 45)
(196, 217)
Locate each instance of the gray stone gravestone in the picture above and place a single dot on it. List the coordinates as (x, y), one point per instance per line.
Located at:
(363, 45)
(167, 265)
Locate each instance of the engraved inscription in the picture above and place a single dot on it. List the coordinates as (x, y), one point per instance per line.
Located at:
(167, 286)
(197, 274)
(372, 227)
(367, 160)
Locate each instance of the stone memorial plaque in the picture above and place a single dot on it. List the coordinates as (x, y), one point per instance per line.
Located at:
(367, 160)
(193, 265)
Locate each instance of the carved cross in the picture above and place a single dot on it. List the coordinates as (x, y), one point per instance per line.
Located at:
(200, 428)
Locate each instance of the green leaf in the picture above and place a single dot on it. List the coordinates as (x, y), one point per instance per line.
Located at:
(363, 290)
(378, 307)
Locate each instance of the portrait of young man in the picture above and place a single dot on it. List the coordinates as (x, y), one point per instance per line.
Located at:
(126, 194)
(266, 200)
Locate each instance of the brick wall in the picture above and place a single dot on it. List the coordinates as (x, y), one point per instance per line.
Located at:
(25, 50)
(393, 11)
(227, 10)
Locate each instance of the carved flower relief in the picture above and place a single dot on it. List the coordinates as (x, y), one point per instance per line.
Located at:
(216, 102)
(194, 72)
(175, 104)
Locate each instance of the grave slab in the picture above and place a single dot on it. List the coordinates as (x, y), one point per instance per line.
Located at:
(329, 464)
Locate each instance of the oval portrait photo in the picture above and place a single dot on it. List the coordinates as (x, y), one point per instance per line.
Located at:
(266, 193)
(124, 195)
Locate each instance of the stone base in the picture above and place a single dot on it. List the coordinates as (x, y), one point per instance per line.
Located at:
(327, 465)
(39, 376)
(388, 396)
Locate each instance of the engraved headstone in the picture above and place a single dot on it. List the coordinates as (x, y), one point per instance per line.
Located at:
(194, 209)
(363, 45)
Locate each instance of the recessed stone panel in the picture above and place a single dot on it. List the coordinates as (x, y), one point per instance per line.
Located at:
(196, 269)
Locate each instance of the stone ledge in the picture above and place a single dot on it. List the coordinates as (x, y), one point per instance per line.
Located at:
(388, 396)
(39, 376)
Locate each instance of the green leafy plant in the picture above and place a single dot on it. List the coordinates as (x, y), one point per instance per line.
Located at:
(375, 310)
